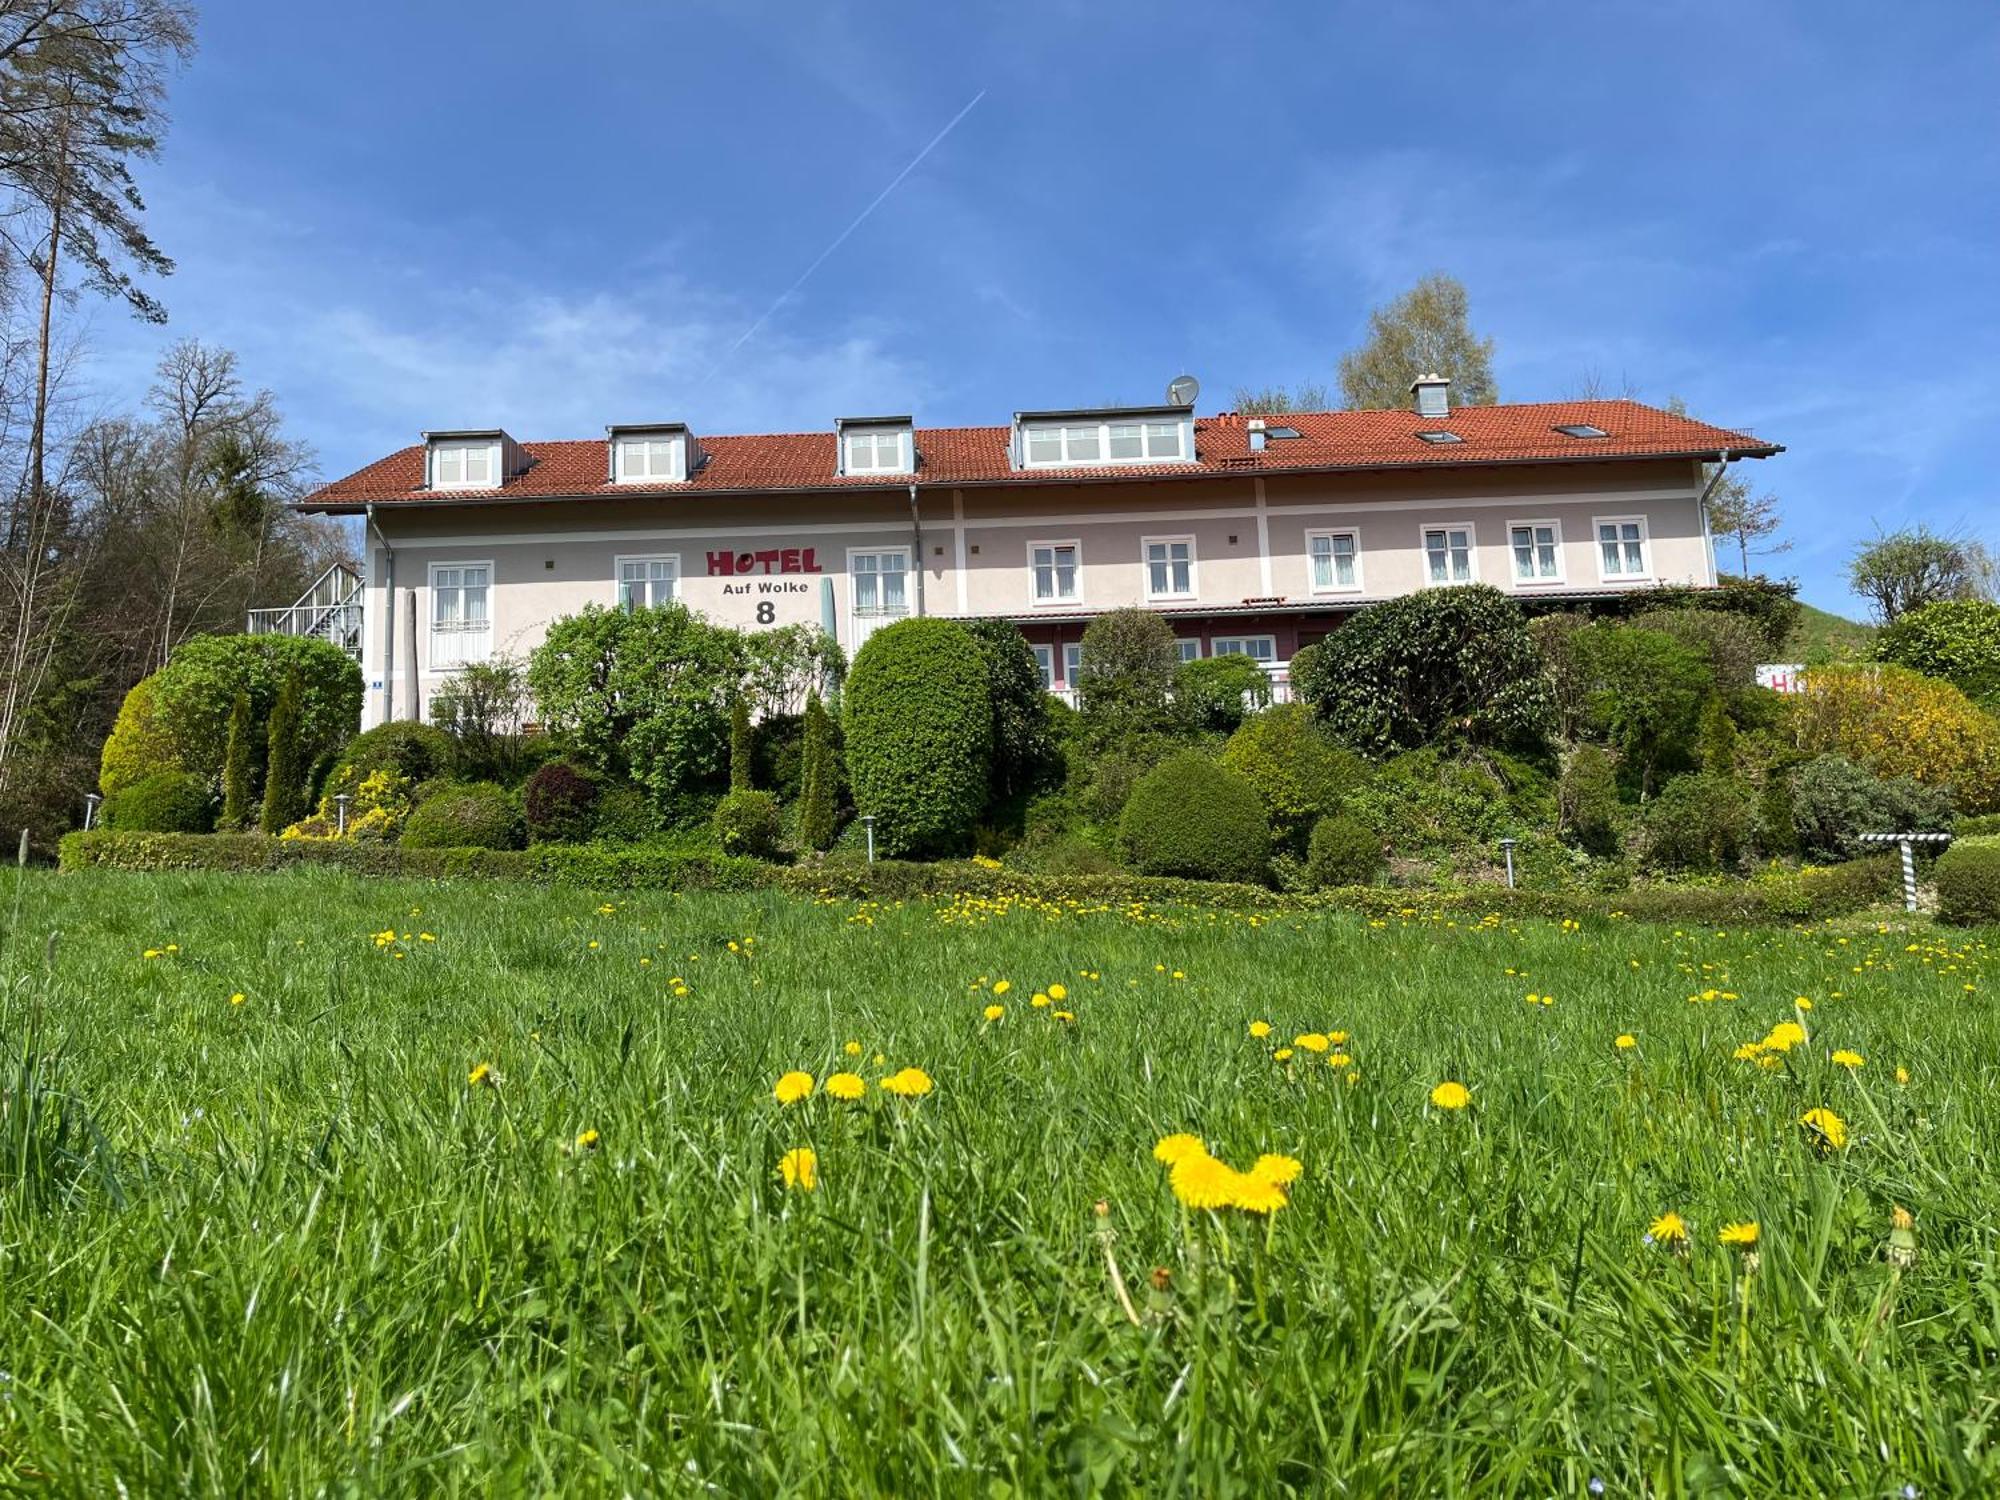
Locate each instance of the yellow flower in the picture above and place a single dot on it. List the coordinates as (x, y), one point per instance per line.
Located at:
(1260, 1028)
(1669, 1229)
(1626, 1041)
(1338, 1038)
(1541, 999)
(1058, 993)
(587, 1141)
(846, 1085)
(1785, 1036)
(1203, 1182)
(1039, 1000)
(1902, 1075)
(1449, 1095)
(1743, 1234)
(1001, 986)
(1278, 1169)
(1338, 1060)
(237, 998)
(1802, 1003)
(995, 1012)
(852, 1049)
(910, 1083)
(1748, 1051)
(794, 1086)
(1828, 1130)
(1312, 1041)
(1283, 1054)
(1257, 1195)
(482, 1076)
(1172, 1149)
(150, 953)
(1848, 1059)
(1064, 1015)
(800, 1168)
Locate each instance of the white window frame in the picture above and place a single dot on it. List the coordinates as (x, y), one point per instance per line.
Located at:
(464, 449)
(1056, 601)
(1555, 580)
(1648, 573)
(1225, 645)
(1045, 663)
(618, 574)
(1084, 429)
(676, 457)
(880, 617)
(1072, 657)
(1183, 642)
(431, 591)
(874, 436)
(1471, 553)
(1193, 590)
(1353, 533)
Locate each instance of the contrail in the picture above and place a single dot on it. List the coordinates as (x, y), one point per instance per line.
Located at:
(841, 238)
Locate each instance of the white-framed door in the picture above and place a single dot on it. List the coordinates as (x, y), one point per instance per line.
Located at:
(878, 592)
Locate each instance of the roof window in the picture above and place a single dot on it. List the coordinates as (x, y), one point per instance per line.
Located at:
(1581, 430)
(1439, 435)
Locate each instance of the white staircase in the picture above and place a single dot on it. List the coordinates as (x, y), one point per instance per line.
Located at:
(328, 611)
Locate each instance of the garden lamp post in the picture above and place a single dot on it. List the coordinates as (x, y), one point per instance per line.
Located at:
(340, 801)
(868, 826)
(1507, 848)
(90, 801)
(1908, 841)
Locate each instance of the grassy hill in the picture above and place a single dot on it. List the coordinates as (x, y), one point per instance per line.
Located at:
(1823, 636)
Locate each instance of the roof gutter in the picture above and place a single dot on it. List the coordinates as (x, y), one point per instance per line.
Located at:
(917, 546)
(1701, 507)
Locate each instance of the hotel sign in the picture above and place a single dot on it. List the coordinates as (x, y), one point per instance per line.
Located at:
(769, 560)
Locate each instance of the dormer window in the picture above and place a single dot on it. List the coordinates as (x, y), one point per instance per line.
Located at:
(470, 460)
(876, 445)
(649, 455)
(1049, 440)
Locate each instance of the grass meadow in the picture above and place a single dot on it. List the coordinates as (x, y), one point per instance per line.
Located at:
(261, 1231)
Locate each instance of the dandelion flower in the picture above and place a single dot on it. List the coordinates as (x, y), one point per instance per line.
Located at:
(995, 1012)
(1338, 1038)
(800, 1168)
(1749, 1051)
(1338, 1060)
(1283, 1054)
(1785, 1036)
(846, 1085)
(1626, 1041)
(1278, 1169)
(1257, 1195)
(793, 1087)
(1670, 1229)
(1828, 1130)
(1203, 1182)
(1848, 1059)
(1001, 986)
(1260, 1029)
(1903, 1075)
(1058, 993)
(1312, 1041)
(237, 998)
(1743, 1234)
(910, 1083)
(1450, 1095)
(1174, 1149)
(1064, 1015)
(587, 1141)
(852, 1049)
(482, 1076)
(1039, 1000)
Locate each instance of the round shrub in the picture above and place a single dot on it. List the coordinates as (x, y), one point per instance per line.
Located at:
(1900, 723)
(1834, 800)
(1297, 773)
(1342, 852)
(403, 747)
(164, 802)
(477, 815)
(1440, 664)
(747, 822)
(919, 736)
(625, 815)
(1190, 817)
(1955, 639)
(1968, 883)
(560, 804)
(1702, 822)
(139, 745)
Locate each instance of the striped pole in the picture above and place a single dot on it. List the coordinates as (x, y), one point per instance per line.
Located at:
(1907, 842)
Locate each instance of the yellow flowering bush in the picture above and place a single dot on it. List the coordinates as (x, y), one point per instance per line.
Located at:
(1900, 723)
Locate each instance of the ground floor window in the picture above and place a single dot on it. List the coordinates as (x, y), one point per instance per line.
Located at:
(1072, 662)
(1259, 648)
(644, 582)
(1045, 663)
(1448, 554)
(1190, 648)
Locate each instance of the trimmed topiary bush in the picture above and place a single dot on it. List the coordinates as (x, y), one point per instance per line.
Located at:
(1024, 752)
(919, 736)
(1968, 883)
(747, 823)
(1190, 817)
(239, 769)
(139, 745)
(817, 776)
(478, 815)
(416, 752)
(1443, 664)
(1342, 852)
(1957, 640)
(285, 763)
(559, 804)
(1587, 794)
(1834, 800)
(164, 802)
(1700, 822)
(1298, 774)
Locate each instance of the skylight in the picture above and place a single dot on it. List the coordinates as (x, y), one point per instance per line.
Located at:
(1581, 430)
(1281, 432)
(1440, 436)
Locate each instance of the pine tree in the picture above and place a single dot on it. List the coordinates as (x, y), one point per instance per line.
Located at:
(238, 768)
(816, 789)
(284, 766)
(739, 747)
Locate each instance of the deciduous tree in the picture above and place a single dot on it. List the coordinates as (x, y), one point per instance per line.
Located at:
(1425, 331)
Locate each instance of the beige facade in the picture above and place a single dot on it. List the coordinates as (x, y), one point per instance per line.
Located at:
(1236, 553)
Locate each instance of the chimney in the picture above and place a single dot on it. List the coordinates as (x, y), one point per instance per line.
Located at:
(1433, 395)
(1256, 429)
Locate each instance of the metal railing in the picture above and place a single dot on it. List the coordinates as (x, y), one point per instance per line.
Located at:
(328, 611)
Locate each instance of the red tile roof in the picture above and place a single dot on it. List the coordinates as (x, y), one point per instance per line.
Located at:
(968, 456)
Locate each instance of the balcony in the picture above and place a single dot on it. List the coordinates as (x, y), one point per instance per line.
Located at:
(328, 611)
(1277, 675)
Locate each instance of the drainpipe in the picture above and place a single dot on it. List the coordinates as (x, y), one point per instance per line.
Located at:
(388, 617)
(1708, 536)
(917, 545)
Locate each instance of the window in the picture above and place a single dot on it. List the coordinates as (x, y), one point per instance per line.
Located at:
(648, 460)
(878, 584)
(462, 465)
(1045, 663)
(875, 452)
(1440, 436)
(1621, 547)
(1169, 567)
(1581, 430)
(1190, 648)
(1335, 558)
(1262, 649)
(1053, 566)
(1072, 662)
(1119, 442)
(644, 582)
(1537, 549)
(461, 617)
(1448, 554)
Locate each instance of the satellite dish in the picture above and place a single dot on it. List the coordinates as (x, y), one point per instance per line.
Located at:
(1182, 390)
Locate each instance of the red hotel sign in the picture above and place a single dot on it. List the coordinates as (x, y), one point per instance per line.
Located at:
(775, 560)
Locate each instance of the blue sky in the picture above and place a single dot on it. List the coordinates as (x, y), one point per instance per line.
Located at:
(553, 216)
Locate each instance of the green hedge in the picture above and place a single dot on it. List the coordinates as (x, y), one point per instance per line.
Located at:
(920, 735)
(1968, 883)
(1808, 896)
(1191, 817)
